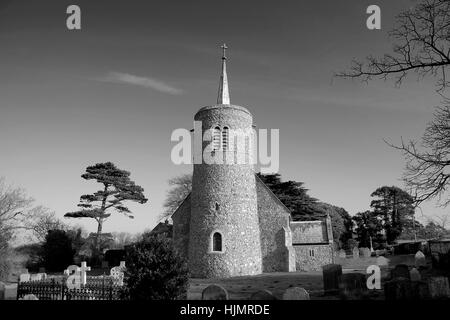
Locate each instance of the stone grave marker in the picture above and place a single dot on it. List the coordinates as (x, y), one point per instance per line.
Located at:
(10, 292)
(214, 292)
(398, 289)
(342, 254)
(353, 285)
(262, 295)
(296, 293)
(400, 271)
(420, 260)
(414, 275)
(382, 261)
(29, 297)
(355, 253)
(332, 274)
(24, 277)
(366, 253)
(439, 287)
(2, 291)
(118, 273)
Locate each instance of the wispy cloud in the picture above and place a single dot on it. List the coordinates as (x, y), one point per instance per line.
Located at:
(146, 82)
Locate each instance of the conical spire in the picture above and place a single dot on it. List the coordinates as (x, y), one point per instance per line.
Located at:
(224, 95)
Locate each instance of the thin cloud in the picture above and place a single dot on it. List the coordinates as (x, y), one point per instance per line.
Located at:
(146, 82)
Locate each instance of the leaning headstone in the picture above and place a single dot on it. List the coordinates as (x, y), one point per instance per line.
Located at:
(382, 261)
(214, 292)
(24, 277)
(400, 271)
(355, 253)
(439, 287)
(263, 295)
(420, 260)
(29, 297)
(414, 274)
(296, 293)
(332, 274)
(342, 254)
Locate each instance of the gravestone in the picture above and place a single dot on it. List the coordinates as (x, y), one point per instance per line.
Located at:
(29, 297)
(35, 277)
(263, 295)
(296, 293)
(420, 260)
(355, 253)
(382, 261)
(400, 271)
(398, 289)
(365, 252)
(118, 273)
(414, 275)
(439, 287)
(10, 292)
(342, 254)
(353, 285)
(2, 291)
(24, 277)
(214, 292)
(332, 274)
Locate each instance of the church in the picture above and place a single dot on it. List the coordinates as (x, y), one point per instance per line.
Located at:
(231, 224)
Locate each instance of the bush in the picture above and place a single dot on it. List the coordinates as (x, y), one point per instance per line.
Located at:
(155, 271)
(57, 252)
(5, 252)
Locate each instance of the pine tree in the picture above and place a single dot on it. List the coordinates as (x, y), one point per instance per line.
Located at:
(117, 188)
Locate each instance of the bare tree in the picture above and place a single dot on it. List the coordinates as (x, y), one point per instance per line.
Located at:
(428, 163)
(180, 187)
(422, 45)
(15, 207)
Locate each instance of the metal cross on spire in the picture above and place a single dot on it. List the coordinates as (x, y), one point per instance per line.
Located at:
(224, 95)
(224, 48)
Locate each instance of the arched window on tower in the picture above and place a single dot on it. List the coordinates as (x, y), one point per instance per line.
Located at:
(216, 138)
(217, 242)
(225, 137)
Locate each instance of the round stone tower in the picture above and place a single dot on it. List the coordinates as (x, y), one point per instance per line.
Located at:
(224, 236)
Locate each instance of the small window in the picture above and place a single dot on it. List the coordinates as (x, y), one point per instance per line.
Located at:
(225, 138)
(216, 138)
(311, 253)
(217, 207)
(217, 242)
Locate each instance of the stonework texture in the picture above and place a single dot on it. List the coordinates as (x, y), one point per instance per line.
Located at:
(181, 223)
(306, 261)
(255, 227)
(273, 218)
(232, 188)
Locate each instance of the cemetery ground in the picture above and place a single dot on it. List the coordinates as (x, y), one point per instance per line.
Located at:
(242, 288)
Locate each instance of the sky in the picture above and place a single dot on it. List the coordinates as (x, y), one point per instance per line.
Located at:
(137, 70)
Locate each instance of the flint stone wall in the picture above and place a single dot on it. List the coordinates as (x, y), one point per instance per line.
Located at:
(277, 252)
(233, 188)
